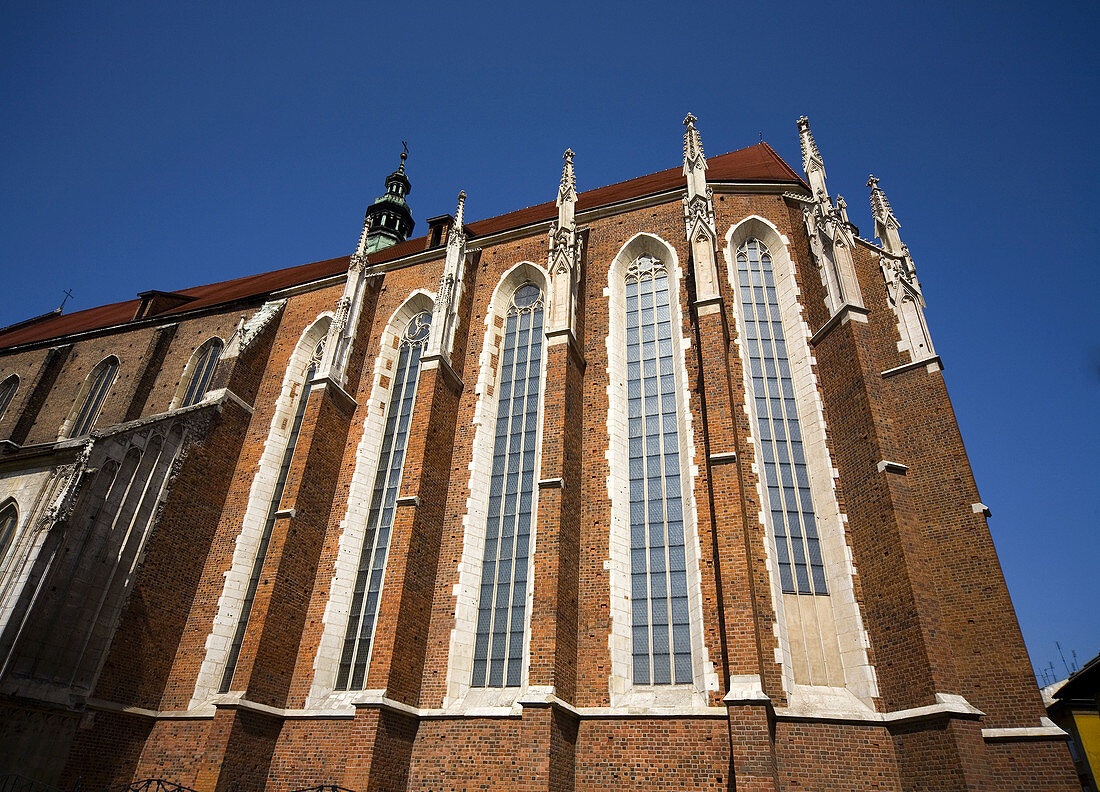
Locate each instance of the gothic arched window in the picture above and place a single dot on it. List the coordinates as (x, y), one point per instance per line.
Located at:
(96, 387)
(658, 577)
(9, 521)
(201, 368)
(786, 477)
(269, 522)
(501, 615)
(387, 483)
(7, 390)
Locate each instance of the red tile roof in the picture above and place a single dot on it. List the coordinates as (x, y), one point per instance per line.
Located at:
(757, 163)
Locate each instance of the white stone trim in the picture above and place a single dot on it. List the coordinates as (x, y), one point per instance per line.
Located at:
(326, 664)
(847, 628)
(33, 491)
(460, 696)
(266, 475)
(623, 692)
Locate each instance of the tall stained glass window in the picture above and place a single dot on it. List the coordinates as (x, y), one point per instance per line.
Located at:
(7, 390)
(269, 523)
(791, 509)
(498, 648)
(658, 576)
(387, 482)
(206, 360)
(102, 377)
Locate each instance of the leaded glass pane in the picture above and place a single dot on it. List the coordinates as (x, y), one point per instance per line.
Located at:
(503, 605)
(786, 477)
(352, 671)
(658, 589)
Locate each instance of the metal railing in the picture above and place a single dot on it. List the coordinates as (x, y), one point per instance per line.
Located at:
(13, 782)
(150, 785)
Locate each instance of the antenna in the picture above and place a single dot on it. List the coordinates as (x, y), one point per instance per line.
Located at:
(68, 293)
(1063, 657)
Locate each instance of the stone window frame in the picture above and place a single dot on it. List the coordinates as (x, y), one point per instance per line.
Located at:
(8, 541)
(264, 480)
(352, 528)
(858, 687)
(623, 692)
(190, 373)
(68, 429)
(461, 696)
(8, 389)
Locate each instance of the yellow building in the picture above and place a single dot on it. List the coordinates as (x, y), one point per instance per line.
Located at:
(1074, 704)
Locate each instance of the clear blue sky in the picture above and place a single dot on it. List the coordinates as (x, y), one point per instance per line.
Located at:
(156, 145)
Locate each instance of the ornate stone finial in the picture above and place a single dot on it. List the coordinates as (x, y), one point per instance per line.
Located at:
(806, 138)
(459, 211)
(567, 189)
(812, 162)
(693, 144)
(404, 156)
(880, 207)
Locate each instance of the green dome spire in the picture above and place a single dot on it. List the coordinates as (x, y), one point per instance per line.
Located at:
(389, 216)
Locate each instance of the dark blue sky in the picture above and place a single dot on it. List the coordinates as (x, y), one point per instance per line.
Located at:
(153, 145)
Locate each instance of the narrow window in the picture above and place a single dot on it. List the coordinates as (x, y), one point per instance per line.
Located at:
(206, 360)
(658, 576)
(101, 378)
(498, 649)
(269, 523)
(9, 519)
(387, 483)
(7, 390)
(791, 510)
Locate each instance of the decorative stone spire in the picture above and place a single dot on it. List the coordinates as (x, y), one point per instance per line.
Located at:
(812, 162)
(459, 212)
(699, 214)
(695, 163)
(445, 318)
(565, 254)
(567, 191)
(886, 223)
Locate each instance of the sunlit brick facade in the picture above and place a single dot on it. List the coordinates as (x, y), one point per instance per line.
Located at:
(655, 486)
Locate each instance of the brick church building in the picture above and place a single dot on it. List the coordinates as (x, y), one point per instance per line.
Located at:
(652, 486)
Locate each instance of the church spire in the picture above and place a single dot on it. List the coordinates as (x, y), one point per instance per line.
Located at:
(389, 217)
(812, 162)
(886, 223)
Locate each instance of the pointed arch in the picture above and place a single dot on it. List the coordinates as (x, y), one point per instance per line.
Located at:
(7, 391)
(656, 641)
(9, 525)
(343, 657)
(224, 643)
(89, 401)
(821, 636)
(489, 646)
(198, 373)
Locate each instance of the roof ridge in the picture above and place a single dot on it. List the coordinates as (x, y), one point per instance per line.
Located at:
(756, 163)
